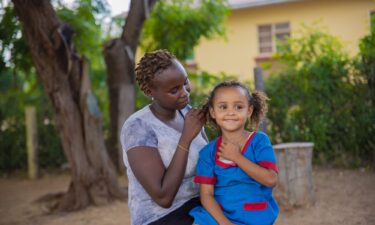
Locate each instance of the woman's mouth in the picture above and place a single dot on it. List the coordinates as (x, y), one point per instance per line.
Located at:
(184, 101)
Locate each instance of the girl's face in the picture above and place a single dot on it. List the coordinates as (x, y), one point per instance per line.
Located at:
(170, 88)
(230, 109)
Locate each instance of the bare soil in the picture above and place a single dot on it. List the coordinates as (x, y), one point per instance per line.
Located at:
(345, 197)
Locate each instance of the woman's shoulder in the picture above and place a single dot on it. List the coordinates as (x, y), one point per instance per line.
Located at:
(140, 115)
(138, 120)
(138, 130)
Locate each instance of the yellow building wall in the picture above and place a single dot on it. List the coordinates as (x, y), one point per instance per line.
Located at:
(346, 19)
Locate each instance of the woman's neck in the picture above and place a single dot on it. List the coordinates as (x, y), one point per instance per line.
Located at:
(162, 113)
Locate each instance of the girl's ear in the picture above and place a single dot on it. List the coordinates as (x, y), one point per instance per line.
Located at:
(250, 111)
(212, 112)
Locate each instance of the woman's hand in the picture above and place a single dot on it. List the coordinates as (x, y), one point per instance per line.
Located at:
(229, 151)
(194, 121)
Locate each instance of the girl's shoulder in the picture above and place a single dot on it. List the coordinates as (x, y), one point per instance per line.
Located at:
(259, 140)
(260, 136)
(209, 148)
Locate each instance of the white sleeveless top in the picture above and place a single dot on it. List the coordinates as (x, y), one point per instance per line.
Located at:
(144, 129)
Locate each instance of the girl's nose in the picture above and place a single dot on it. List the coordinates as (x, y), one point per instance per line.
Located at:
(231, 111)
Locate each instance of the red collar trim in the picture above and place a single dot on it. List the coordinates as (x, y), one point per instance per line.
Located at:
(218, 143)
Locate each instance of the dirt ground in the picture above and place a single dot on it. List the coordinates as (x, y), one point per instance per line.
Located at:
(345, 197)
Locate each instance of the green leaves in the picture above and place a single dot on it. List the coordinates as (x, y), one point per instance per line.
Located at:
(320, 98)
(19, 85)
(85, 17)
(178, 25)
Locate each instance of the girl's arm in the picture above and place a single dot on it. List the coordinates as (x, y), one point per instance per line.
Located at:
(160, 182)
(209, 203)
(267, 177)
(232, 152)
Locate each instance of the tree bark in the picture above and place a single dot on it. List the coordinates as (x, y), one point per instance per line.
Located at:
(64, 75)
(119, 57)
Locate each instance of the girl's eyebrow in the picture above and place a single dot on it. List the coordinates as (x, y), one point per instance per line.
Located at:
(236, 102)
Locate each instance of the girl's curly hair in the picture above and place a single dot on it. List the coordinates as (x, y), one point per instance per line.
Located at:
(256, 99)
(151, 64)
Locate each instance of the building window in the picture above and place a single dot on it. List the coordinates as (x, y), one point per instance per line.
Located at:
(372, 18)
(270, 34)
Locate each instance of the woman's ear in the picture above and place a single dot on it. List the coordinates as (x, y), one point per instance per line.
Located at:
(147, 92)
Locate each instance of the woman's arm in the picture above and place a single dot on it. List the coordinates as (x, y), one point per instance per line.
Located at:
(232, 152)
(209, 203)
(160, 182)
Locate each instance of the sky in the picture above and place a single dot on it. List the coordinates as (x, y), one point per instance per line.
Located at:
(118, 6)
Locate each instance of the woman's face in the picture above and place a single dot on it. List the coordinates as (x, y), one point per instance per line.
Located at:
(170, 88)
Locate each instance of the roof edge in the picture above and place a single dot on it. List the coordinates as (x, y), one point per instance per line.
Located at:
(258, 3)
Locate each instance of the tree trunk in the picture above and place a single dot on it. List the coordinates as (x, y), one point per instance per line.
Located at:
(65, 78)
(119, 56)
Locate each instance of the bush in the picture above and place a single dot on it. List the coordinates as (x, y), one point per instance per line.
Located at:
(321, 98)
(13, 100)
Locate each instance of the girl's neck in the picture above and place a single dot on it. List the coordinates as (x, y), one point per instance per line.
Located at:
(162, 113)
(236, 136)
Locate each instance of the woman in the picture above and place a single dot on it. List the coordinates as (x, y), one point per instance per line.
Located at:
(161, 143)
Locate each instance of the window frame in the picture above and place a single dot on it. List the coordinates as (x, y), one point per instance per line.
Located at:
(274, 32)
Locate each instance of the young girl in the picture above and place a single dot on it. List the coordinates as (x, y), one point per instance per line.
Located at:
(237, 171)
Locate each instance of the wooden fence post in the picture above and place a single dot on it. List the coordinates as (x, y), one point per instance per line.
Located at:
(32, 142)
(296, 186)
(259, 86)
(258, 79)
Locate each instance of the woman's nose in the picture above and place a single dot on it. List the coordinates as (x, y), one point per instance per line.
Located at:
(185, 91)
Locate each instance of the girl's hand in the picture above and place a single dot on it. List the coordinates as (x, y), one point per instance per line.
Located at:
(194, 121)
(228, 223)
(229, 151)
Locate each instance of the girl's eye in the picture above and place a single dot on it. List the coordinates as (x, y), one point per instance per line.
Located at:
(174, 90)
(222, 107)
(238, 107)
